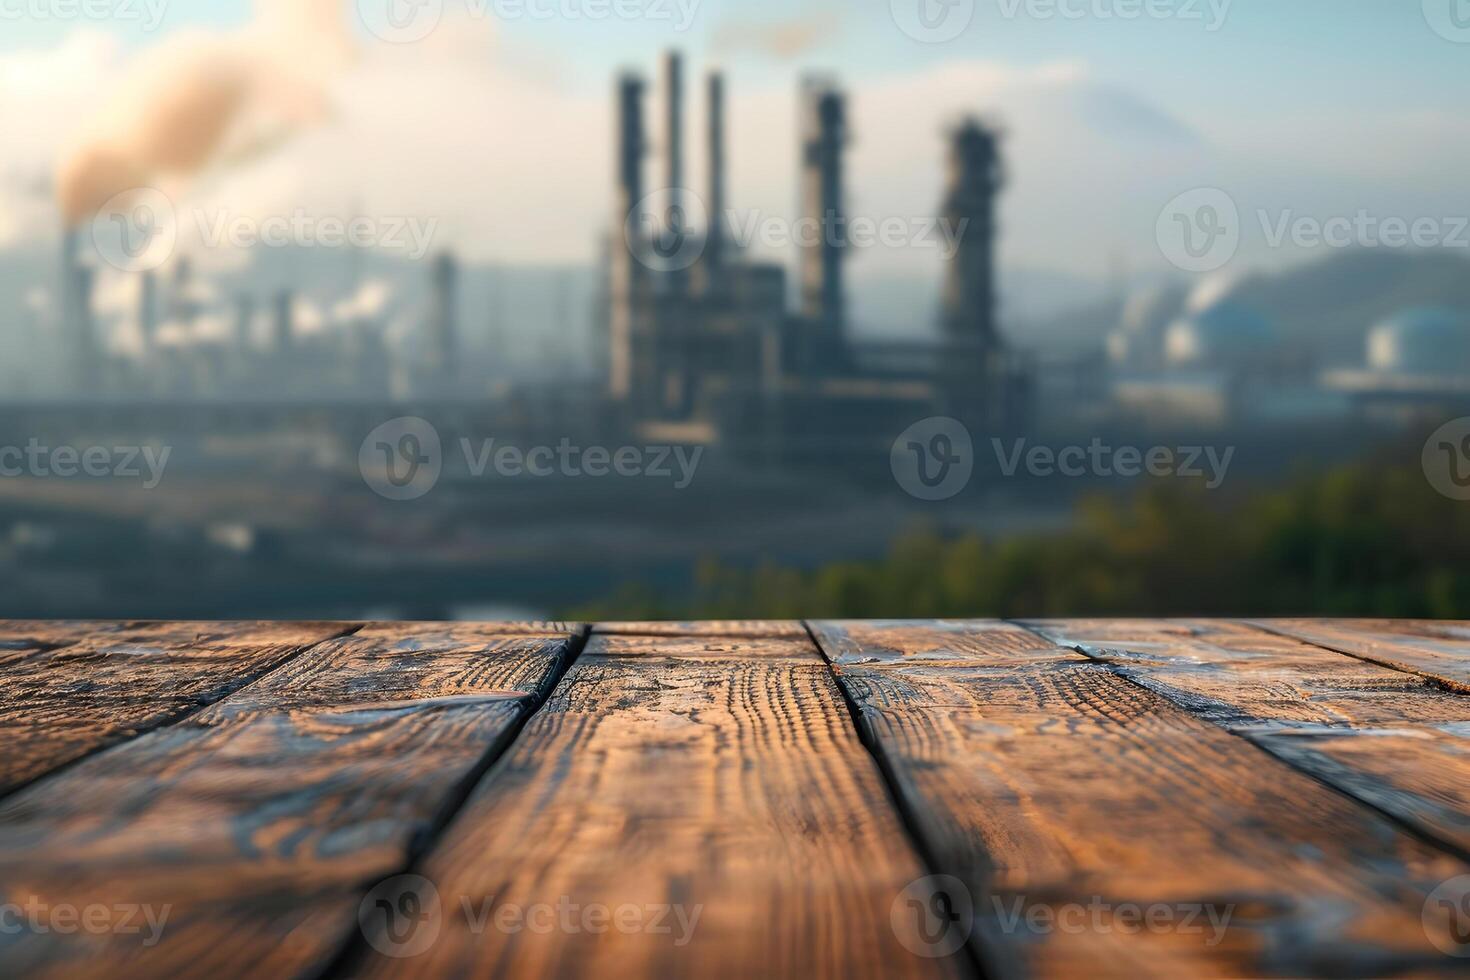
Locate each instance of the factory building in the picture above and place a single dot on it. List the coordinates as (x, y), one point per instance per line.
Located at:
(702, 342)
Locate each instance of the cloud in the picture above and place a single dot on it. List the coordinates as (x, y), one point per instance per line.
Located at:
(783, 40)
(42, 92)
(507, 163)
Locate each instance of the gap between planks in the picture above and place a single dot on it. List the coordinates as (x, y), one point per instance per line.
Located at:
(908, 816)
(923, 653)
(1378, 643)
(107, 740)
(1362, 786)
(345, 961)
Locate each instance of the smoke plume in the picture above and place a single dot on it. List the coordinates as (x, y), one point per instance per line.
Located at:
(202, 100)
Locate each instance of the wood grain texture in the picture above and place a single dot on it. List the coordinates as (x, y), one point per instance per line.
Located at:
(1050, 785)
(33, 635)
(1396, 741)
(727, 785)
(260, 822)
(1440, 651)
(701, 647)
(747, 629)
(440, 634)
(80, 688)
(935, 642)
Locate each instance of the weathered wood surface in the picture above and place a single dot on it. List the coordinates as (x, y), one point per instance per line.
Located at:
(714, 788)
(1394, 740)
(1436, 650)
(748, 629)
(71, 688)
(260, 822)
(707, 647)
(1051, 785)
(695, 799)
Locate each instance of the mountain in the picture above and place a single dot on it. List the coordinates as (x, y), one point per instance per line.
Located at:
(1330, 305)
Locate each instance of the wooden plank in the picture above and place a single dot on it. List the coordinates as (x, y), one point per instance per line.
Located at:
(438, 634)
(702, 647)
(721, 795)
(78, 692)
(1393, 740)
(1440, 651)
(1056, 789)
(181, 633)
(22, 634)
(746, 629)
(34, 635)
(260, 822)
(935, 642)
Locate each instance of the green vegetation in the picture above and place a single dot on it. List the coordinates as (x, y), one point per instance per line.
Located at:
(1360, 541)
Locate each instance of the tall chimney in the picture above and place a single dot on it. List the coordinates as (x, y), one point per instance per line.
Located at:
(184, 306)
(444, 318)
(284, 326)
(78, 328)
(678, 279)
(975, 178)
(244, 318)
(148, 309)
(674, 148)
(715, 246)
(823, 140)
(626, 273)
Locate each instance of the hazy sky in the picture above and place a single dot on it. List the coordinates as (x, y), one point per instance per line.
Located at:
(502, 127)
(1304, 54)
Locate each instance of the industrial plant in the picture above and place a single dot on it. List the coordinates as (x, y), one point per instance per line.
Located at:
(697, 341)
(701, 339)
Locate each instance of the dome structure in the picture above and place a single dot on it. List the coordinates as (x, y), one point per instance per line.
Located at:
(1225, 335)
(1425, 341)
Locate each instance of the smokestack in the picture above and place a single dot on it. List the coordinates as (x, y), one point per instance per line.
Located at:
(244, 317)
(715, 247)
(674, 159)
(823, 140)
(148, 309)
(76, 315)
(444, 318)
(674, 150)
(975, 179)
(183, 308)
(626, 281)
(284, 327)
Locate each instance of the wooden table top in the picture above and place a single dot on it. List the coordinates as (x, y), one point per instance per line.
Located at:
(744, 799)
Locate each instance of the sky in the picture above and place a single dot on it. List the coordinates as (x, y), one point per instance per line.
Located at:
(500, 128)
(1373, 53)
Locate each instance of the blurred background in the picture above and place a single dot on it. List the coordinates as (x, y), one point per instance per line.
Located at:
(622, 308)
